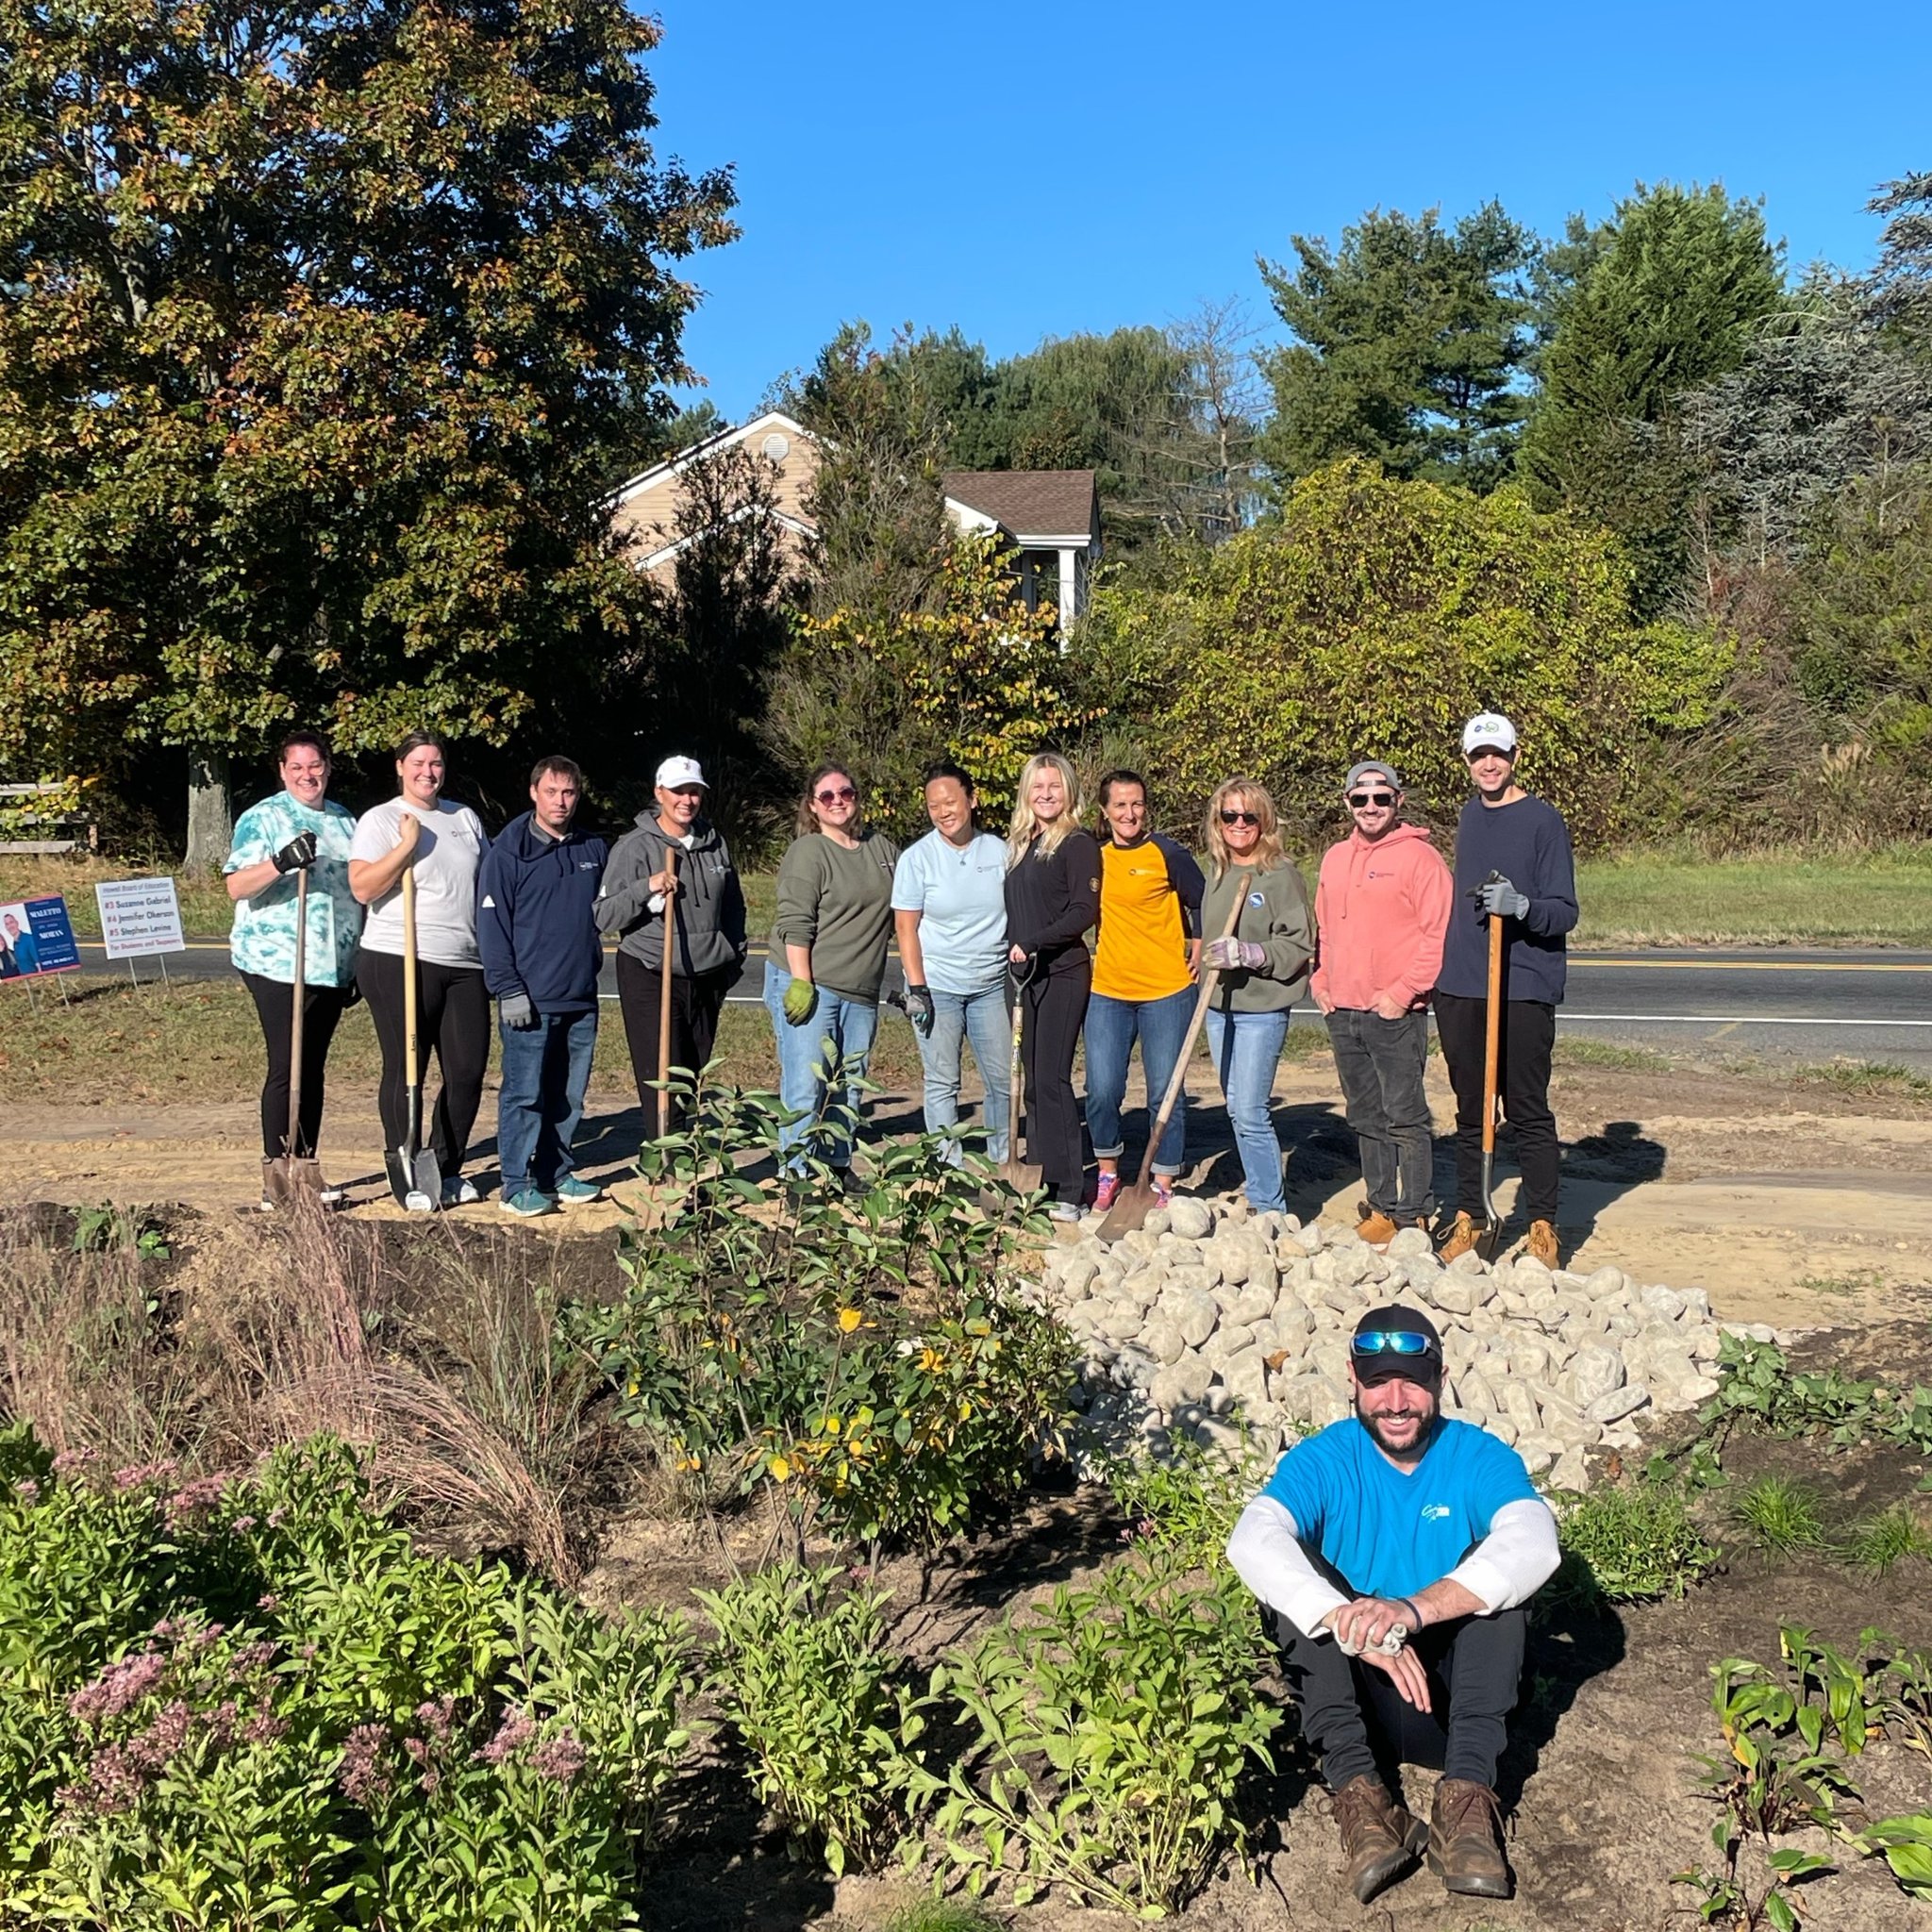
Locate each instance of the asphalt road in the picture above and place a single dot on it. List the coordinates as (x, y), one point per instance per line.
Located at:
(1772, 1003)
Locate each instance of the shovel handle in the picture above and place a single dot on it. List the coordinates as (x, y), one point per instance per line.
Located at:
(1492, 1033)
(664, 990)
(291, 1150)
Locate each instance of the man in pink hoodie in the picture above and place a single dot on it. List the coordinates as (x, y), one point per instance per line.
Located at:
(1381, 910)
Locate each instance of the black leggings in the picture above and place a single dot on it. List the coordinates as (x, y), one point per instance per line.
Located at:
(453, 1016)
(275, 1005)
(1053, 1009)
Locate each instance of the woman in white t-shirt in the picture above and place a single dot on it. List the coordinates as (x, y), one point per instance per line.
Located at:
(444, 844)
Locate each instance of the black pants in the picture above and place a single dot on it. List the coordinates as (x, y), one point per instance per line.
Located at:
(1522, 1078)
(275, 1005)
(1380, 1065)
(1052, 1009)
(453, 1016)
(695, 1004)
(1354, 1718)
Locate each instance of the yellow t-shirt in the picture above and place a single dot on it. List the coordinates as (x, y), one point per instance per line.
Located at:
(1144, 946)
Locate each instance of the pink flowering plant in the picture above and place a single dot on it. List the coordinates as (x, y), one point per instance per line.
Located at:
(251, 1702)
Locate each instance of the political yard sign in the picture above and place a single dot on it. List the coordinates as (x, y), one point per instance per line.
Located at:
(36, 937)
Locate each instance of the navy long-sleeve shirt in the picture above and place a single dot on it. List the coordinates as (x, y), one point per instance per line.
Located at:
(535, 925)
(1529, 845)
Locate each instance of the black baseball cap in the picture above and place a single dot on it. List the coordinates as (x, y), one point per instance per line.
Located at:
(1384, 1346)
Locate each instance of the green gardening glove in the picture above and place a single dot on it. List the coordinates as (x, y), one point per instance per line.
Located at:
(801, 996)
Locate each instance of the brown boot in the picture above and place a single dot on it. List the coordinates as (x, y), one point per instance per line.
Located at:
(1380, 1838)
(1541, 1244)
(1458, 1241)
(1376, 1229)
(1465, 1839)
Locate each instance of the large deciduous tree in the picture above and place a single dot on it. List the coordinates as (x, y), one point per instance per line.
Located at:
(314, 322)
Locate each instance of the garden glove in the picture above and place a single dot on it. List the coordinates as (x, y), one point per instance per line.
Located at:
(1501, 900)
(517, 1011)
(801, 997)
(1230, 955)
(297, 854)
(919, 1009)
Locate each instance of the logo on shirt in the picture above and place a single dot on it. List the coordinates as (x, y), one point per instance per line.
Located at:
(1435, 1512)
(1256, 899)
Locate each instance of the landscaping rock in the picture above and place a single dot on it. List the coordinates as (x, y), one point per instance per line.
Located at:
(1191, 1219)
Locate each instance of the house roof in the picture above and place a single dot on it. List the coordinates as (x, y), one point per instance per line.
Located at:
(772, 422)
(1029, 503)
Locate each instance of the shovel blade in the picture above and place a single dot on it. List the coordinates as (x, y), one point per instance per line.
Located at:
(1022, 1176)
(1490, 1238)
(426, 1173)
(287, 1178)
(1130, 1209)
(397, 1164)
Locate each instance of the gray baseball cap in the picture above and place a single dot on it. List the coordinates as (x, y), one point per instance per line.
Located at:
(1371, 768)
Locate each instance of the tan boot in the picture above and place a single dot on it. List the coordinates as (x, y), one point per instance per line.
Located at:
(1376, 1229)
(1541, 1244)
(1458, 1241)
(1465, 1839)
(1381, 1839)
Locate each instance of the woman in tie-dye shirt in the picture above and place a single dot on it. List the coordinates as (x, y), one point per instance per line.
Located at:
(297, 830)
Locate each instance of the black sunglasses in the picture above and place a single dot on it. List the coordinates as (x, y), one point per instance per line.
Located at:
(1363, 798)
(1240, 818)
(844, 791)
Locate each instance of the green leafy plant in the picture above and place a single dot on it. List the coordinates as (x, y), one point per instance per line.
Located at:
(1784, 1517)
(1104, 1735)
(1906, 1844)
(1628, 1542)
(1836, 1697)
(1757, 1386)
(1186, 1503)
(98, 1229)
(803, 1675)
(1878, 1545)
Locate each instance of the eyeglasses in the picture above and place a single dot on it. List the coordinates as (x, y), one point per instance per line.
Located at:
(1390, 1342)
(1359, 799)
(837, 797)
(1241, 818)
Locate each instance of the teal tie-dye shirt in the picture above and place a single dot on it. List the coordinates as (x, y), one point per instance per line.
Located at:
(263, 938)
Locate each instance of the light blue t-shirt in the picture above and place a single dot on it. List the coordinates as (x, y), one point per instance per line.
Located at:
(1387, 1533)
(263, 939)
(960, 895)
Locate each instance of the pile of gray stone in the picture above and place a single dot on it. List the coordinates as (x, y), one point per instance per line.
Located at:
(1234, 1327)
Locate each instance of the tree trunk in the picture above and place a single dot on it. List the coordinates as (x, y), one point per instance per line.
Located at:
(209, 824)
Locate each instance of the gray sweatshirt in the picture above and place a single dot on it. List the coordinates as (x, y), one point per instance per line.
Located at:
(709, 907)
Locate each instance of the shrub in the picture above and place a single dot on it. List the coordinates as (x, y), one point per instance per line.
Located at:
(1628, 1543)
(1190, 1503)
(803, 1675)
(1104, 1739)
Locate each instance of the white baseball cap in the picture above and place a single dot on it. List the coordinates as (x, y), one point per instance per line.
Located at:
(1487, 731)
(675, 771)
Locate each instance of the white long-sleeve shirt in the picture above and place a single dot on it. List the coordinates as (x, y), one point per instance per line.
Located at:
(1510, 1564)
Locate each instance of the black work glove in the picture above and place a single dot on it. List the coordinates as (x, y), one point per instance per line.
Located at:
(298, 855)
(919, 1009)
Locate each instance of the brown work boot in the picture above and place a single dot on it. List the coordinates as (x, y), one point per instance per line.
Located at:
(1381, 1839)
(1376, 1229)
(1458, 1241)
(1541, 1244)
(1465, 1839)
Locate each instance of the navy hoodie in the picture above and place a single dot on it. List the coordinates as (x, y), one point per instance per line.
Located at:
(536, 927)
(1529, 845)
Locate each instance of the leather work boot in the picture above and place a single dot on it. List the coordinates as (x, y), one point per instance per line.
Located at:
(1465, 1839)
(1458, 1241)
(1381, 1839)
(1541, 1244)
(1376, 1229)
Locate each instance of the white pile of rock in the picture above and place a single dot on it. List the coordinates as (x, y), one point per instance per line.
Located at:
(1209, 1318)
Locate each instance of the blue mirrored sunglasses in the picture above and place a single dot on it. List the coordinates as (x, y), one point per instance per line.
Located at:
(1390, 1342)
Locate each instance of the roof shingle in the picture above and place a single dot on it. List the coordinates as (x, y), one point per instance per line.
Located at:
(1054, 503)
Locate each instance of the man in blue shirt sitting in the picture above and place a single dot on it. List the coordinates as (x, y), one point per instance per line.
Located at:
(1397, 1549)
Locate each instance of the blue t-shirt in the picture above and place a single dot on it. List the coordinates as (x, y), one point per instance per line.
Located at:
(1390, 1534)
(960, 895)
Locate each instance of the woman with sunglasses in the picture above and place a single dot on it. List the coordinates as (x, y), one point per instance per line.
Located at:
(1264, 965)
(825, 965)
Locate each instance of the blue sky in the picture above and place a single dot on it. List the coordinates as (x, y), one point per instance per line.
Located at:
(1026, 171)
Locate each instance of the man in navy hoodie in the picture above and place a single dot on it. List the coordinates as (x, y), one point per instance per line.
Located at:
(1513, 864)
(537, 930)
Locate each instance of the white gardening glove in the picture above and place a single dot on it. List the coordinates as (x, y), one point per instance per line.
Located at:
(1231, 954)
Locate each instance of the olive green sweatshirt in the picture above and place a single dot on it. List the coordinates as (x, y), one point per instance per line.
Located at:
(836, 900)
(1275, 915)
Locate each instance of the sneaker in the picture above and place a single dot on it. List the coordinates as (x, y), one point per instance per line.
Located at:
(458, 1190)
(1103, 1194)
(851, 1181)
(576, 1193)
(1066, 1210)
(1163, 1191)
(1377, 1230)
(527, 1203)
(1541, 1246)
(1460, 1238)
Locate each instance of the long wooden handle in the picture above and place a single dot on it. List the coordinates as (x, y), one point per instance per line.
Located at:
(664, 991)
(1209, 979)
(291, 1150)
(410, 974)
(1492, 1032)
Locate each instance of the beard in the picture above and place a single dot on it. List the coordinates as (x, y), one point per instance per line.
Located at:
(1423, 1409)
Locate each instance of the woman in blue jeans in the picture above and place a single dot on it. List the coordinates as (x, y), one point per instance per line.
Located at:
(826, 961)
(1263, 966)
(949, 905)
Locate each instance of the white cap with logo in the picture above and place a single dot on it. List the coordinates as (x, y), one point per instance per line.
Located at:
(675, 771)
(1487, 731)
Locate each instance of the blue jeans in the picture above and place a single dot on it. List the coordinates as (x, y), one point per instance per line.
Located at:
(1245, 1047)
(545, 1070)
(1162, 1025)
(834, 1044)
(980, 1017)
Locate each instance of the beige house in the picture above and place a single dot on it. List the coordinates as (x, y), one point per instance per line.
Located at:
(1049, 518)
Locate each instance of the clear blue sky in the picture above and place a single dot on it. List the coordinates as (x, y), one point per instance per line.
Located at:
(1033, 169)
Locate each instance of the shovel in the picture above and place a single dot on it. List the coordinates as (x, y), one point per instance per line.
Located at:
(415, 1176)
(664, 1102)
(1490, 1238)
(295, 1174)
(1132, 1206)
(1022, 1176)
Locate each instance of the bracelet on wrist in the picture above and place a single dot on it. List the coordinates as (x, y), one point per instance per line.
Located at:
(1415, 1615)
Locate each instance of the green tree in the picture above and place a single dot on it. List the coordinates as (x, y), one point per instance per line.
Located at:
(1670, 302)
(317, 322)
(1409, 340)
(1901, 287)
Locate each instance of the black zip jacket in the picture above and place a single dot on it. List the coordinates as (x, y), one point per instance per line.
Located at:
(1052, 902)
